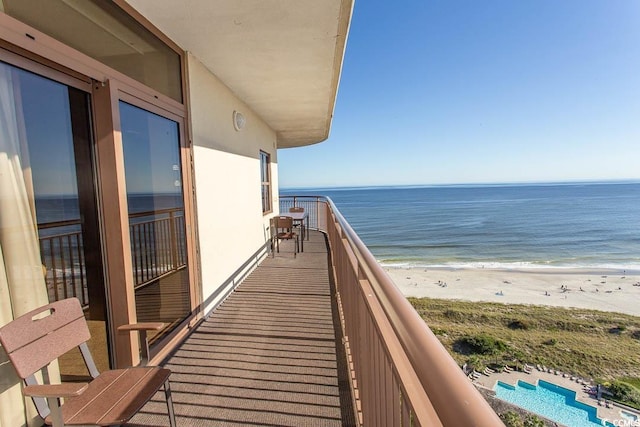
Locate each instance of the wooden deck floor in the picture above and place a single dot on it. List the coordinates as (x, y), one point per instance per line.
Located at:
(267, 356)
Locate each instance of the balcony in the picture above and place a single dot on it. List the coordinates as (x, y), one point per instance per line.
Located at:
(323, 338)
(270, 355)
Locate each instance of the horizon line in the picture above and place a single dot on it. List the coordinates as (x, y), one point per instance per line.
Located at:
(473, 184)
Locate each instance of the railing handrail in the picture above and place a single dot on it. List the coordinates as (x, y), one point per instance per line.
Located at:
(57, 224)
(76, 221)
(453, 396)
(155, 212)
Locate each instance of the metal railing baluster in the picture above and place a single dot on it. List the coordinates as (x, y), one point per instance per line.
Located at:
(157, 249)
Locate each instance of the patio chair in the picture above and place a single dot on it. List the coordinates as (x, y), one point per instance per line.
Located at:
(297, 224)
(35, 339)
(283, 230)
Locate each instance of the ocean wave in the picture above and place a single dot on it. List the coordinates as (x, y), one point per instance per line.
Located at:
(588, 227)
(520, 265)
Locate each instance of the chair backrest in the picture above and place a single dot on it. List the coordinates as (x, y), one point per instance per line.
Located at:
(38, 337)
(283, 222)
(296, 209)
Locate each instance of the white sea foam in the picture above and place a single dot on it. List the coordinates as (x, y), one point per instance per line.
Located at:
(629, 268)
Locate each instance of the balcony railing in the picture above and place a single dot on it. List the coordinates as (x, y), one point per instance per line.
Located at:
(63, 260)
(401, 375)
(157, 244)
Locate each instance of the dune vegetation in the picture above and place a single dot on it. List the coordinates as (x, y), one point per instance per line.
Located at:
(598, 345)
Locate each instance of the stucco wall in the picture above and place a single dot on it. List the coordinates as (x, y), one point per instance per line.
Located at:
(231, 226)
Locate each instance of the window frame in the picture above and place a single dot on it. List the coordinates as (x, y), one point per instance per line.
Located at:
(265, 186)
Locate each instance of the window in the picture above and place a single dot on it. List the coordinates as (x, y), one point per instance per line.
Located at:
(103, 31)
(265, 178)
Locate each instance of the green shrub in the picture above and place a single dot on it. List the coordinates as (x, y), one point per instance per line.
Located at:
(625, 393)
(511, 419)
(533, 421)
(438, 331)
(634, 381)
(455, 315)
(617, 329)
(519, 324)
(482, 344)
(476, 363)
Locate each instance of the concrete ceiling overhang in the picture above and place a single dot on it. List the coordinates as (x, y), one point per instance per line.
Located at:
(283, 58)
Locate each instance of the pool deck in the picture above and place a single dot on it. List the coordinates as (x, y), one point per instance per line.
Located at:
(613, 413)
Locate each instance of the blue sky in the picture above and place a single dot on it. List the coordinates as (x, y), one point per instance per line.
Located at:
(451, 91)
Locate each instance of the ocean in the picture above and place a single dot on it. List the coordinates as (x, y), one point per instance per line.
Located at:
(580, 225)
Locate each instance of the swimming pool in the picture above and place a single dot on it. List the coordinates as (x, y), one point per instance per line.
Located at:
(551, 401)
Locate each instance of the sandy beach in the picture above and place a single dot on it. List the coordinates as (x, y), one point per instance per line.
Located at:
(617, 291)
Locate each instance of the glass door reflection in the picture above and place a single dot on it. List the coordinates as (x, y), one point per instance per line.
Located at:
(151, 145)
(49, 134)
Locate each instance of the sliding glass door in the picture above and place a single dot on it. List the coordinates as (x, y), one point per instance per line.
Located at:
(49, 230)
(153, 174)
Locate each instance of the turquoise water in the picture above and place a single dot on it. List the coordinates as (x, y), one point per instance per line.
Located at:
(551, 401)
(592, 225)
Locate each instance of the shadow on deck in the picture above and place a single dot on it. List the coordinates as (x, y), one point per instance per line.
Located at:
(270, 355)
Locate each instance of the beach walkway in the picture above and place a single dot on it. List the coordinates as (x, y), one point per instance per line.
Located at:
(270, 355)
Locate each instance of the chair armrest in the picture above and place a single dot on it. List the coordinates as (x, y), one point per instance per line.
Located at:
(142, 329)
(55, 390)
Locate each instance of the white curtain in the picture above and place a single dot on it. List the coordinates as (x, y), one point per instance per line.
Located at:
(22, 285)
